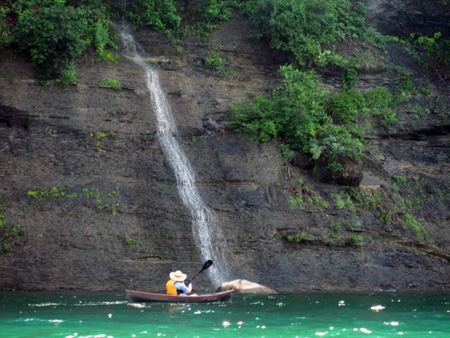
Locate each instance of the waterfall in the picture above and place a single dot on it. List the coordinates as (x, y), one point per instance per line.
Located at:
(207, 233)
(124, 4)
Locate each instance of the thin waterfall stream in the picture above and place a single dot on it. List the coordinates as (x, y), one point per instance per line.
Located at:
(207, 233)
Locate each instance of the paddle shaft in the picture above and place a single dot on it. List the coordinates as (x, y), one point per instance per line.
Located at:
(205, 267)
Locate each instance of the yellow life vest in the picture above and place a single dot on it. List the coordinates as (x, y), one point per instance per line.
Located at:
(171, 289)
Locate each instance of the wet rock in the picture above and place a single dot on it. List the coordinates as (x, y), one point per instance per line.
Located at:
(245, 286)
(402, 17)
(372, 182)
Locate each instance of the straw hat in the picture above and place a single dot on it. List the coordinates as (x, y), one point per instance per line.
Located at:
(177, 276)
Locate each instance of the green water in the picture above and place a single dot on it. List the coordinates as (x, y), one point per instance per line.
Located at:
(70, 314)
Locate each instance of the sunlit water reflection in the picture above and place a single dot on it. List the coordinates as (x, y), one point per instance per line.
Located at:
(297, 315)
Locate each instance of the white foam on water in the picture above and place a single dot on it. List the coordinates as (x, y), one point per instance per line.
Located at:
(118, 302)
(47, 304)
(40, 320)
(136, 305)
(377, 308)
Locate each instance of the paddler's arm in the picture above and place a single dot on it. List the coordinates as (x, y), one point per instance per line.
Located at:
(189, 289)
(183, 288)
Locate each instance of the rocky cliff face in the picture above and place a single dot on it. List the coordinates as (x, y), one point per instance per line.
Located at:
(402, 17)
(127, 227)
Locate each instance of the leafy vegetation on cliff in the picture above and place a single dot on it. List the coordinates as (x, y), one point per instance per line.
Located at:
(432, 52)
(304, 27)
(300, 115)
(54, 33)
(193, 18)
(159, 14)
(8, 232)
(103, 201)
(304, 116)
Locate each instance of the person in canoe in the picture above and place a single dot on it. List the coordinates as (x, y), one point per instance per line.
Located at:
(177, 285)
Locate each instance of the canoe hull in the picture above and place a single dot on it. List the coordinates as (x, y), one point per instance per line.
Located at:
(140, 297)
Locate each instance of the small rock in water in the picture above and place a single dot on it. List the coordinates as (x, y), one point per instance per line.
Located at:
(245, 286)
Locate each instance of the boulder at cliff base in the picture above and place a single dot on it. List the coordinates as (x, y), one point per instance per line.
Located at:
(245, 286)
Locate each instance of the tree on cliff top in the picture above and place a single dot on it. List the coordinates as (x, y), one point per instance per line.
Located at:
(51, 38)
(304, 27)
(54, 33)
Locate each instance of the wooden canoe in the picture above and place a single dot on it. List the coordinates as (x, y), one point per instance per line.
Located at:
(140, 296)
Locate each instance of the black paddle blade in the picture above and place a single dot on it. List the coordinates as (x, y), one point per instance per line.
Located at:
(207, 264)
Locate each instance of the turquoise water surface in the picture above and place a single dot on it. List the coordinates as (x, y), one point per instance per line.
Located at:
(75, 314)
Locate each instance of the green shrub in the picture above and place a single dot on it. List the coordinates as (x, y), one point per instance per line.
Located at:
(5, 33)
(378, 100)
(244, 6)
(54, 33)
(432, 52)
(295, 202)
(114, 84)
(425, 91)
(159, 14)
(298, 238)
(345, 106)
(343, 200)
(214, 61)
(191, 18)
(285, 152)
(317, 200)
(103, 39)
(98, 30)
(51, 37)
(340, 203)
(9, 233)
(335, 142)
(206, 16)
(303, 116)
(354, 239)
(302, 27)
(385, 217)
(218, 63)
(336, 226)
(399, 179)
(352, 108)
(296, 113)
(68, 74)
(389, 119)
(414, 224)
